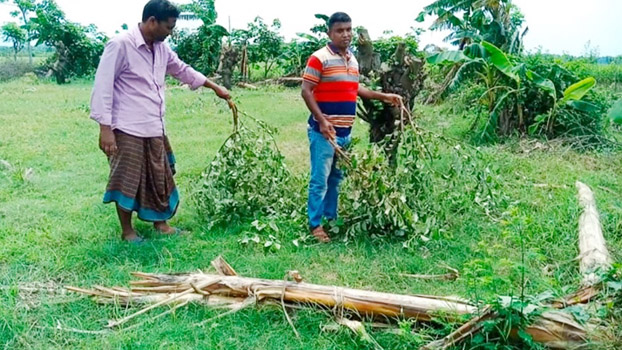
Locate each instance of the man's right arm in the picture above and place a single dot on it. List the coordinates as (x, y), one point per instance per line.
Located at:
(110, 64)
(310, 79)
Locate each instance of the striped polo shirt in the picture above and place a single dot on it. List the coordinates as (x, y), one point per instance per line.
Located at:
(336, 80)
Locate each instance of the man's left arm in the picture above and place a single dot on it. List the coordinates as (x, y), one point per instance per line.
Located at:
(187, 75)
(393, 99)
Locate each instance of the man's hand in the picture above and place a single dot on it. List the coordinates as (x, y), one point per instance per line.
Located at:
(393, 99)
(107, 142)
(222, 92)
(327, 129)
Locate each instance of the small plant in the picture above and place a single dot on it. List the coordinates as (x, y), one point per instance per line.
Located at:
(16, 174)
(506, 331)
(263, 235)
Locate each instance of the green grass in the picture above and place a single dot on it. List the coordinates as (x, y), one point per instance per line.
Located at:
(54, 228)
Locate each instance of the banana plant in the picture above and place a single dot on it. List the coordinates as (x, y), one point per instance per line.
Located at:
(572, 97)
(505, 77)
(491, 66)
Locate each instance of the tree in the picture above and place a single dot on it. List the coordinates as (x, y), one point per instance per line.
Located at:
(523, 96)
(264, 43)
(296, 52)
(470, 21)
(400, 73)
(496, 21)
(25, 7)
(15, 34)
(201, 49)
(78, 48)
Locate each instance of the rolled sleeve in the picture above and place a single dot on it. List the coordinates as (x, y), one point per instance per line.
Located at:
(313, 70)
(110, 64)
(183, 72)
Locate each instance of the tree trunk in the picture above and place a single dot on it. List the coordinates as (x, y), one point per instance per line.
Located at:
(592, 246)
(403, 76)
(554, 329)
(436, 95)
(360, 302)
(59, 68)
(27, 36)
(244, 65)
(228, 60)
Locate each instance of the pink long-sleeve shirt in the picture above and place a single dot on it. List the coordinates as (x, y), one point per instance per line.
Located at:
(129, 84)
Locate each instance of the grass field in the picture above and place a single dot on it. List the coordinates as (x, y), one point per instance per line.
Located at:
(55, 230)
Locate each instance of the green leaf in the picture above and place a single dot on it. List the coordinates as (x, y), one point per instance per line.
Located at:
(500, 60)
(421, 17)
(615, 113)
(217, 29)
(475, 50)
(583, 106)
(462, 73)
(307, 36)
(579, 314)
(543, 83)
(576, 91)
(448, 57)
(501, 100)
(322, 16)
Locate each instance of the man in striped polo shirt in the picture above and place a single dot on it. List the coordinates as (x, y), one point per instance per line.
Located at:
(330, 87)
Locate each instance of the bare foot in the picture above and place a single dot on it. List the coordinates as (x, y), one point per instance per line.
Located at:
(130, 235)
(164, 228)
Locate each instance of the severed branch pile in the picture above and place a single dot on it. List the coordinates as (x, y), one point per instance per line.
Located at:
(554, 328)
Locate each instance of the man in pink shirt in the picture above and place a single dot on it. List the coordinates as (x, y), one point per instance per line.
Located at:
(128, 103)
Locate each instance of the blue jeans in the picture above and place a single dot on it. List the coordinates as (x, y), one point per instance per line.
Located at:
(325, 178)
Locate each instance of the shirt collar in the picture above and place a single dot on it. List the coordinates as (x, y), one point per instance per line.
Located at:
(137, 36)
(335, 51)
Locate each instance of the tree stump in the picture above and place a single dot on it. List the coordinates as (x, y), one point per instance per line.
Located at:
(403, 74)
(229, 58)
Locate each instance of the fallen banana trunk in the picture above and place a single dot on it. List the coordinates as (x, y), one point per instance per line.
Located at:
(593, 252)
(554, 329)
(200, 287)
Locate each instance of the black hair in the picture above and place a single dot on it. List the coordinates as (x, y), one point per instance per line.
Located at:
(338, 17)
(162, 10)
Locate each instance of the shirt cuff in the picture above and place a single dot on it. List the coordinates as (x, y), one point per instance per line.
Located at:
(102, 119)
(198, 81)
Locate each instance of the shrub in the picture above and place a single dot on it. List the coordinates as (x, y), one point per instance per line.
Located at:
(248, 179)
(10, 69)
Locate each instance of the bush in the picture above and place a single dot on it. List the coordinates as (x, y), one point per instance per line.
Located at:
(582, 120)
(527, 94)
(10, 69)
(248, 179)
(433, 181)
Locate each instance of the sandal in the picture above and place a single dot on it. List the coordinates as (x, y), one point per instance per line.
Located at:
(136, 241)
(177, 232)
(319, 233)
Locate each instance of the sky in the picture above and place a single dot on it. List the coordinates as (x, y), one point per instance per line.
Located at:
(555, 26)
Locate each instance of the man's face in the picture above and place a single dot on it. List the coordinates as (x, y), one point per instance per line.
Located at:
(341, 34)
(162, 29)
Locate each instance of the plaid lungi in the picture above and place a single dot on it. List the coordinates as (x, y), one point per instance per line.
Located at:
(141, 177)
